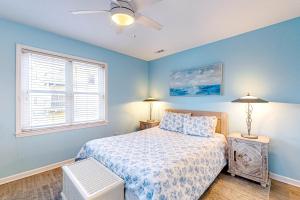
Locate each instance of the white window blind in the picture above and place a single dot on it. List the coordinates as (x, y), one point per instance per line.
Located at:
(57, 91)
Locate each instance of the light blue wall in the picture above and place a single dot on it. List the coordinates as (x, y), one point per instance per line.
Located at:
(127, 82)
(266, 63)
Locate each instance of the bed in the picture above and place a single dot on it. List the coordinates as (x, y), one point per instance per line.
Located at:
(162, 165)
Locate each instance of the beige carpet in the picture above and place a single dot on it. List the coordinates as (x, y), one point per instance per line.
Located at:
(47, 186)
(44, 186)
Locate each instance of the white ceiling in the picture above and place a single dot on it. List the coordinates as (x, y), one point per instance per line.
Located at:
(187, 23)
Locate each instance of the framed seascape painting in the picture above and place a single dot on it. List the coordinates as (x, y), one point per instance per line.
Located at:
(200, 81)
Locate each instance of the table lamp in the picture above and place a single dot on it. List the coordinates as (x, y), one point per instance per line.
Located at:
(249, 100)
(150, 100)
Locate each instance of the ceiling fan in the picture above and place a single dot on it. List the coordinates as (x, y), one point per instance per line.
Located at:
(126, 12)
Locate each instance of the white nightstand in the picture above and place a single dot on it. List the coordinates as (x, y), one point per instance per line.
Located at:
(249, 157)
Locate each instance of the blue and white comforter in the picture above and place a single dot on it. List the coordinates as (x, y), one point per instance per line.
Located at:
(161, 165)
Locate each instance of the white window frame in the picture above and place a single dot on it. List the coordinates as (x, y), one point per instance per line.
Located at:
(19, 131)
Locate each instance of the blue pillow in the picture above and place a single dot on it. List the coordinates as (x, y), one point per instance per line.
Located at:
(172, 121)
(204, 126)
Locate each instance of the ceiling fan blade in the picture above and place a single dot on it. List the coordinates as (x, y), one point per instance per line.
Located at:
(86, 12)
(148, 22)
(115, 2)
(142, 4)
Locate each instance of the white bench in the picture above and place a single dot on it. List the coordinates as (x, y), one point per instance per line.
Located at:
(90, 180)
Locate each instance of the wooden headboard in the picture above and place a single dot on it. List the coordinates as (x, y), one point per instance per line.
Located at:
(222, 125)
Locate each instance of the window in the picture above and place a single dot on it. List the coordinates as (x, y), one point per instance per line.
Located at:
(58, 92)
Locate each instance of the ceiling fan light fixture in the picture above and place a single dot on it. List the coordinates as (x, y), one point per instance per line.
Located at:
(122, 16)
(122, 19)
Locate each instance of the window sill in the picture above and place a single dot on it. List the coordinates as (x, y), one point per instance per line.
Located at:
(59, 129)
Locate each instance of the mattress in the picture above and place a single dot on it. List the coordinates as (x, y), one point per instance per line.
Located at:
(160, 165)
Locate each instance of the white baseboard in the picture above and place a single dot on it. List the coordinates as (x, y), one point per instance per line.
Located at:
(34, 171)
(285, 179)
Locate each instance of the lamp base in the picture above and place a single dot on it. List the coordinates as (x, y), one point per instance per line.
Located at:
(249, 136)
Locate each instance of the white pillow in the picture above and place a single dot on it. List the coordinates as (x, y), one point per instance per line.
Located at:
(172, 121)
(204, 126)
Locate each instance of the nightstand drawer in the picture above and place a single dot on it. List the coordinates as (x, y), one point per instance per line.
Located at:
(247, 158)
